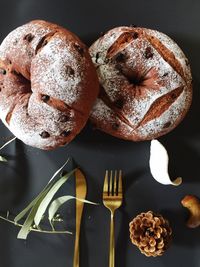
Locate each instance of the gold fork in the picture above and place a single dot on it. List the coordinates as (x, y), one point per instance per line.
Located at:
(112, 200)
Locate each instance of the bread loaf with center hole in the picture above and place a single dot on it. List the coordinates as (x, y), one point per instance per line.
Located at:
(146, 83)
(48, 84)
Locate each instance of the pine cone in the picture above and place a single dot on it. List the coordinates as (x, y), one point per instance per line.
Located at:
(151, 233)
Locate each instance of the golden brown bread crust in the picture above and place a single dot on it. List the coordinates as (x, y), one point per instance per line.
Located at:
(146, 83)
(48, 84)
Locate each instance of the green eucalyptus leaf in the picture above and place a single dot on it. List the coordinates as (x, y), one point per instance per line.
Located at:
(60, 169)
(7, 143)
(23, 233)
(34, 201)
(57, 203)
(48, 197)
(23, 212)
(3, 159)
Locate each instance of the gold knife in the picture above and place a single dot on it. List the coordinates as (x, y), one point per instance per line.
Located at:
(81, 190)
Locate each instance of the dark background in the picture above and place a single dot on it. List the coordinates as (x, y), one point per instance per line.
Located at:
(30, 169)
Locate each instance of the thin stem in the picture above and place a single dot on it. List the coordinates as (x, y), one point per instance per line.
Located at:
(36, 230)
(52, 226)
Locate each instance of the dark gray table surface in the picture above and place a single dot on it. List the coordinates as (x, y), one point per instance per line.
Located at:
(29, 169)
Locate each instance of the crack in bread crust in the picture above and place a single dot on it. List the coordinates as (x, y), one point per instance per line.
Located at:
(18, 98)
(160, 105)
(167, 55)
(61, 105)
(104, 97)
(44, 40)
(122, 41)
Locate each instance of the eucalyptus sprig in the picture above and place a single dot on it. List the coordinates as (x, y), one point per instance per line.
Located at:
(35, 211)
(33, 227)
(7, 143)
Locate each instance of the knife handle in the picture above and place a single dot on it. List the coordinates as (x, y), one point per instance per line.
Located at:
(79, 210)
(81, 189)
(76, 253)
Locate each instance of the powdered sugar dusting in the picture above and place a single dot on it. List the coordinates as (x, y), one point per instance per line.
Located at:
(106, 120)
(172, 46)
(169, 116)
(103, 43)
(14, 37)
(52, 77)
(15, 42)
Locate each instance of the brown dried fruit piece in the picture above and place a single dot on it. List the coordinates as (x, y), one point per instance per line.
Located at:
(192, 203)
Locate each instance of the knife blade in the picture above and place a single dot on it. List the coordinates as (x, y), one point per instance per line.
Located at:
(81, 190)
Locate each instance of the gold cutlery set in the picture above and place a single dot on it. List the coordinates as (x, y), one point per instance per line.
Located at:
(112, 200)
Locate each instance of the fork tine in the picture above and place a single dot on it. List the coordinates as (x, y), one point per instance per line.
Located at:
(105, 186)
(111, 184)
(120, 182)
(115, 184)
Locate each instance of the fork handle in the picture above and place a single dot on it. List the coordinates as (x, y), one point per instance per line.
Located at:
(112, 241)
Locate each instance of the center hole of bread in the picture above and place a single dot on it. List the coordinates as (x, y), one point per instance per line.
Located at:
(135, 79)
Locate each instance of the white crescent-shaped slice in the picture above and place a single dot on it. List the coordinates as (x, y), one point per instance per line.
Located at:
(158, 163)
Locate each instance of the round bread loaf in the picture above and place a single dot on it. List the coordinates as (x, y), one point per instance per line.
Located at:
(48, 84)
(146, 83)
